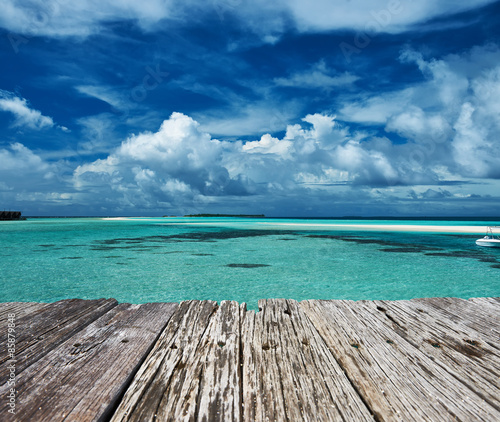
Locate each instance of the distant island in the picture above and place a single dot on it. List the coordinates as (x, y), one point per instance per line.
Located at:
(227, 215)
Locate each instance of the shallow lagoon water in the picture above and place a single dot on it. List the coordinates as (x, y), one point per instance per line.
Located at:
(142, 260)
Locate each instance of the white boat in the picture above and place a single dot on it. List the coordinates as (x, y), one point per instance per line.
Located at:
(491, 239)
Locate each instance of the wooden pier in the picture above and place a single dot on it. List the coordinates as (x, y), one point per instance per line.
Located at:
(421, 360)
(10, 215)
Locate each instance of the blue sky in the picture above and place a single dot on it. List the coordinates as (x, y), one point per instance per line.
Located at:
(284, 108)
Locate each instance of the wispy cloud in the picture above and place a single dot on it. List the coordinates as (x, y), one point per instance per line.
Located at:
(451, 117)
(264, 107)
(54, 18)
(110, 95)
(24, 115)
(318, 76)
(372, 15)
(249, 119)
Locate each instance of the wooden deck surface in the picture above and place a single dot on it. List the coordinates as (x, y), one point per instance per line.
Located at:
(432, 359)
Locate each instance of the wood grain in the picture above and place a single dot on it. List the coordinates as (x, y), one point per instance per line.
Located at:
(397, 380)
(288, 371)
(41, 331)
(459, 350)
(435, 359)
(471, 313)
(84, 377)
(19, 309)
(171, 370)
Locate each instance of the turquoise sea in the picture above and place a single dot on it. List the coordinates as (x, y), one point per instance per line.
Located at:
(141, 260)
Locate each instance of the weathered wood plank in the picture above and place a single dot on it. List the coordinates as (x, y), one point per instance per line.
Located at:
(469, 321)
(396, 380)
(263, 398)
(73, 365)
(219, 357)
(19, 309)
(41, 331)
(485, 320)
(461, 351)
(84, 377)
(492, 300)
(171, 369)
(490, 303)
(289, 373)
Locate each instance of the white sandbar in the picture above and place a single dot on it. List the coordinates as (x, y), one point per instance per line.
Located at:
(389, 227)
(427, 228)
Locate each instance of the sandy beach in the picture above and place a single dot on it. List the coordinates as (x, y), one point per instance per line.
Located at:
(388, 227)
(427, 228)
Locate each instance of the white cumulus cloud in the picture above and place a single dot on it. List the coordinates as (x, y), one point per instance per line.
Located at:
(30, 183)
(450, 119)
(175, 164)
(19, 158)
(268, 145)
